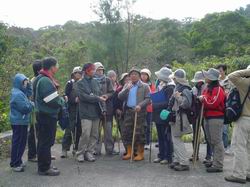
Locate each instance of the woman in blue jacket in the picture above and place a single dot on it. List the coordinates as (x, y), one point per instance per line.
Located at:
(20, 109)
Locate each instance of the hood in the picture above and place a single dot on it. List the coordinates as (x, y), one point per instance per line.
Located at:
(18, 81)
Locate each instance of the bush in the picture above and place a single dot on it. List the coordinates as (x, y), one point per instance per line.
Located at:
(4, 117)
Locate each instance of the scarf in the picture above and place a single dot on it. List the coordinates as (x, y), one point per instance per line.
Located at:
(50, 76)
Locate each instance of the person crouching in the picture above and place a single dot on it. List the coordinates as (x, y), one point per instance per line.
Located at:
(136, 95)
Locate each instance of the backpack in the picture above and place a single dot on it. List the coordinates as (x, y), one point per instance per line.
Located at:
(234, 106)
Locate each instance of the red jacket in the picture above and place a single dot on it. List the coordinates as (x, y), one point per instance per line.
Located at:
(152, 90)
(214, 103)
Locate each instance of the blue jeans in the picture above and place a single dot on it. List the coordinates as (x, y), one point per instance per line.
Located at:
(165, 142)
(19, 139)
(225, 135)
(148, 127)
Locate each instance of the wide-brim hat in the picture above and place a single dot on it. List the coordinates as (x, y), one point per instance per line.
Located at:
(212, 74)
(134, 70)
(98, 65)
(164, 74)
(180, 77)
(198, 77)
(123, 76)
(77, 69)
(147, 71)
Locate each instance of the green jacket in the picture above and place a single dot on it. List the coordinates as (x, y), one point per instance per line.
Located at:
(47, 99)
(90, 105)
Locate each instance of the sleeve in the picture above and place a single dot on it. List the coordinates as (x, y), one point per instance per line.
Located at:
(23, 105)
(146, 100)
(50, 95)
(83, 96)
(238, 78)
(110, 88)
(68, 88)
(123, 95)
(29, 89)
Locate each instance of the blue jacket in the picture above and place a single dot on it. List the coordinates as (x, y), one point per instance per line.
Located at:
(20, 105)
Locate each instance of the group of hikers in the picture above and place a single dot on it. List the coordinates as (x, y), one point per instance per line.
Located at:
(94, 99)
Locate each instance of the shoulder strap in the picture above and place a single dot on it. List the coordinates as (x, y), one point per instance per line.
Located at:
(246, 96)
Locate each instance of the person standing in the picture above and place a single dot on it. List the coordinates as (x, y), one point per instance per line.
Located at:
(166, 85)
(107, 91)
(136, 96)
(48, 104)
(32, 134)
(241, 132)
(20, 109)
(199, 86)
(213, 99)
(73, 132)
(90, 103)
(145, 78)
(179, 105)
(113, 77)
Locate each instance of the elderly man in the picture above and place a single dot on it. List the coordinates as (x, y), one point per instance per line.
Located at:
(136, 96)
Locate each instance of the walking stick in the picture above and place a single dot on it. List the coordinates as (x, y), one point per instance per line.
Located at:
(150, 139)
(197, 136)
(133, 140)
(118, 117)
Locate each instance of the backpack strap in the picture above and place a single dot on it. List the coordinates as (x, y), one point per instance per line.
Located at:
(246, 97)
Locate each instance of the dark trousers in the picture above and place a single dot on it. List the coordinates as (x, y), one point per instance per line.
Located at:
(209, 149)
(46, 126)
(148, 127)
(32, 136)
(165, 142)
(19, 139)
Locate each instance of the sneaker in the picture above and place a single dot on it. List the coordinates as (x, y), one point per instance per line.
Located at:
(181, 167)
(53, 157)
(209, 164)
(157, 160)
(205, 161)
(89, 157)
(146, 147)
(231, 178)
(113, 153)
(23, 165)
(80, 158)
(32, 159)
(64, 154)
(49, 172)
(229, 152)
(18, 169)
(214, 169)
(164, 162)
(173, 164)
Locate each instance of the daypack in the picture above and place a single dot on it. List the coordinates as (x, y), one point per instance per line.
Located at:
(234, 106)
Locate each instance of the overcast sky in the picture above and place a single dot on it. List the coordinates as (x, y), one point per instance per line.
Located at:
(39, 13)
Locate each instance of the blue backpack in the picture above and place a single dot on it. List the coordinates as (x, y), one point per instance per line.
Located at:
(234, 106)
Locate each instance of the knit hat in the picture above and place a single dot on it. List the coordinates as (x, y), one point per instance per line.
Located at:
(163, 74)
(134, 70)
(147, 71)
(77, 69)
(88, 67)
(98, 65)
(212, 74)
(198, 77)
(180, 76)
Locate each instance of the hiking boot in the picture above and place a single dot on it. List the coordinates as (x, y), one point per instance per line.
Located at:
(129, 152)
(214, 169)
(173, 164)
(157, 160)
(49, 172)
(32, 159)
(53, 157)
(209, 164)
(18, 169)
(205, 161)
(89, 157)
(181, 168)
(164, 162)
(140, 153)
(64, 154)
(231, 178)
(23, 165)
(80, 158)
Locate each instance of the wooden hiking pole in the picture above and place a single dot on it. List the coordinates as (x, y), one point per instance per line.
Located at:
(150, 143)
(133, 140)
(197, 136)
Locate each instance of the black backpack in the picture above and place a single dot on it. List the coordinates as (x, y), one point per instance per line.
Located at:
(234, 106)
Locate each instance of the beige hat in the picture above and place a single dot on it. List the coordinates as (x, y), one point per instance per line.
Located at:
(77, 69)
(123, 76)
(198, 77)
(98, 65)
(147, 71)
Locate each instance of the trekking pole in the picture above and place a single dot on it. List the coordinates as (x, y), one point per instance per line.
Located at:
(118, 117)
(197, 135)
(133, 140)
(150, 139)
